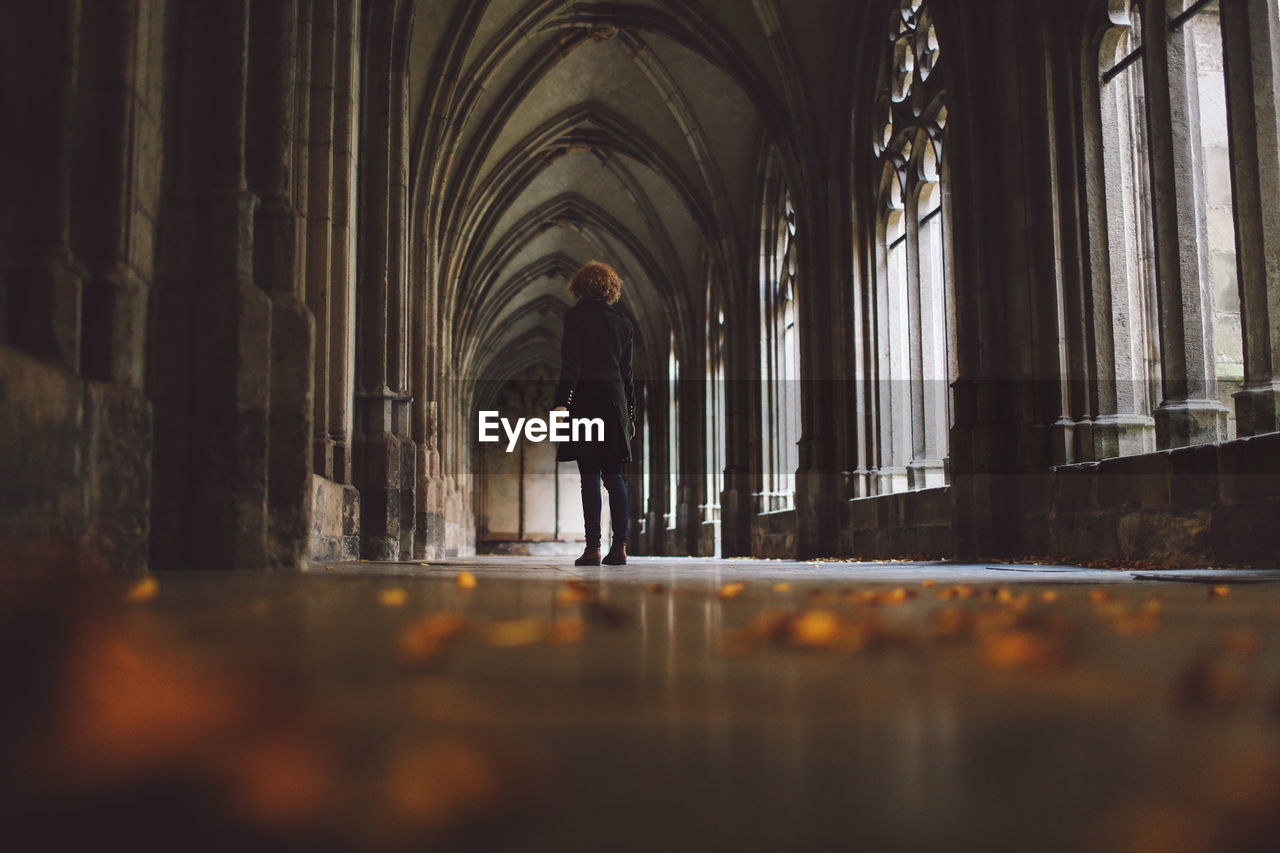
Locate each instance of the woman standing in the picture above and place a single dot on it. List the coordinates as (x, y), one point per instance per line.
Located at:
(596, 382)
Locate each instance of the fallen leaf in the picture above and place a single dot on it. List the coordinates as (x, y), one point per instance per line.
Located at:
(1025, 650)
(427, 639)
(782, 587)
(815, 629)
(1219, 591)
(144, 590)
(732, 590)
(466, 580)
(1131, 624)
(570, 595)
(898, 596)
(394, 597)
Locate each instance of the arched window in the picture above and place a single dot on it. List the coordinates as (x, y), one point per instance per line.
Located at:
(1134, 344)
(1216, 233)
(715, 410)
(1175, 340)
(673, 434)
(910, 305)
(780, 357)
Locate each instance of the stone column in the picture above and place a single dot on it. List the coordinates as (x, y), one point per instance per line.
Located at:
(43, 282)
(817, 478)
(915, 336)
(1189, 412)
(1251, 46)
(273, 65)
(691, 392)
(342, 264)
(210, 368)
(1118, 394)
(742, 411)
(383, 455)
(320, 219)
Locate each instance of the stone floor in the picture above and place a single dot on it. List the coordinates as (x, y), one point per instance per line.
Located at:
(518, 704)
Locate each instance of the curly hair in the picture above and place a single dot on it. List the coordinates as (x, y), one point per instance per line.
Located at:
(596, 280)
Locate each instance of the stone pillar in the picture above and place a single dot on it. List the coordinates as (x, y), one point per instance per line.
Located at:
(273, 64)
(743, 440)
(635, 477)
(116, 190)
(342, 314)
(384, 455)
(1189, 412)
(1121, 426)
(320, 217)
(817, 478)
(210, 371)
(40, 301)
(1251, 46)
(658, 393)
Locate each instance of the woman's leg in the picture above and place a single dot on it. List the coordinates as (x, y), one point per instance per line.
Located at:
(589, 470)
(612, 475)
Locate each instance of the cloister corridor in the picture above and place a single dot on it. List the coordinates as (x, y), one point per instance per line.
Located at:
(936, 350)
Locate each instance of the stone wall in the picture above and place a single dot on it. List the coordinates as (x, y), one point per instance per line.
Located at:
(775, 535)
(75, 471)
(908, 525)
(1212, 505)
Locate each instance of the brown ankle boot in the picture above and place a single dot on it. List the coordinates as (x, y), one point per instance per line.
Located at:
(590, 557)
(617, 555)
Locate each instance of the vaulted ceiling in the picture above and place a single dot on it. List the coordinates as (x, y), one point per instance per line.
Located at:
(546, 134)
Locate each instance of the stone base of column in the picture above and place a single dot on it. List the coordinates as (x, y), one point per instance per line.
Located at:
(387, 497)
(737, 506)
(926, 474)
(1257, 409)
(856, 484)
(76, 475)
(335, 521)
(1184, 423)
(1123, 435)
(816, 509)
(888, 481)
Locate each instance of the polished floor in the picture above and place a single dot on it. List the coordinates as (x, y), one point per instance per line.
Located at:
(519, 704)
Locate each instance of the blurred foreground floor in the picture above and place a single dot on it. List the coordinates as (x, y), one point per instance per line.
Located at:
(519, 704)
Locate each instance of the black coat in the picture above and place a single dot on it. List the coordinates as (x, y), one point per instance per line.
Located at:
(596, 379)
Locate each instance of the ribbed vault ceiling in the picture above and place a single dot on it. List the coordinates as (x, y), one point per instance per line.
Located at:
(547, 134)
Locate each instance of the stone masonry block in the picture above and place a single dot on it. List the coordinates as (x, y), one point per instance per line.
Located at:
(1194, 476)
(1134, 481)
(1249, 469)
(1075, 489)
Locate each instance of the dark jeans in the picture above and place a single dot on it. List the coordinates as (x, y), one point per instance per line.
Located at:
(593, 471)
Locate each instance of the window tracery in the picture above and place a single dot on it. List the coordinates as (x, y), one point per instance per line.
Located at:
(780, 361)
(910, 298)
